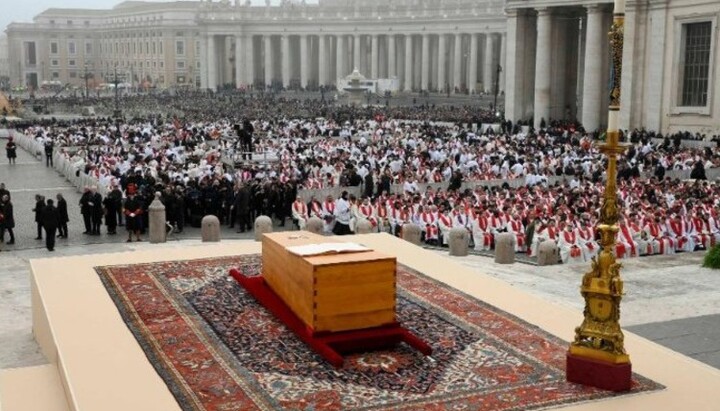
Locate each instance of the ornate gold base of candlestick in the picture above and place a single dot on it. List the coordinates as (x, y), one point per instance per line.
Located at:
(597, 356)
(600, 337)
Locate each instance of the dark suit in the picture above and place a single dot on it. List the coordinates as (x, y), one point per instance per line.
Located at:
(39, 206)
(50, 223)
(7, 223)
(86, 210)
(97, 213)
(63, 218)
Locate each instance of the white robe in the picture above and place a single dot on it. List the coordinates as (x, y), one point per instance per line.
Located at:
(569, 245)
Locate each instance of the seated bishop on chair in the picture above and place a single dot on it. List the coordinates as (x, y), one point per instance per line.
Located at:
(300, 212)
(586, 238)
(515, 226)
(569, 245)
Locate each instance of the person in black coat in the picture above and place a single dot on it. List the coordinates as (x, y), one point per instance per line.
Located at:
(39, 205)
(110, 205)
(63, 217)
(86, 210)
(133, 215)
(7, 219)
(241, 208)
(698, 172)
(97, 211)
(369, 185)
(49, 146)
(246, 139)
(50, 223)
(11, 150)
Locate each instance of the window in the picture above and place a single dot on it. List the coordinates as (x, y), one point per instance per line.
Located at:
(147, 47)
(54, 63)
(69, 22)
(179, 34)
(88, 48)
(71, 63)
(161, 47)
(71, 48)
(180, 65)
(162, 64)
(54, 47)
(696, 64)
(73, 74)
(180, 48)
(154, 47)
(87, 23)
(55, 75)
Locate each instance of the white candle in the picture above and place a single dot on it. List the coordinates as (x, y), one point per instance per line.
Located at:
(619, 7)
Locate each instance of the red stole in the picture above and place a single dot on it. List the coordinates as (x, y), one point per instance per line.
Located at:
(330, 207)
(570, 239)
(679, 230)
(586, 237)
(628, 239)
(300, 208)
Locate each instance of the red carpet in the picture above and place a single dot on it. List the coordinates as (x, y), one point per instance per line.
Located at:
(217, 348)
(330, 346)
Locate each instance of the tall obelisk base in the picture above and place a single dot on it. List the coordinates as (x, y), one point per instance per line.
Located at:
(600, 374)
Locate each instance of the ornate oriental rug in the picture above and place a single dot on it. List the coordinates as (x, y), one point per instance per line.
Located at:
(217, 349)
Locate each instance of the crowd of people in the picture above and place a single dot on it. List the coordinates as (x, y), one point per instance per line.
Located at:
(202, 162)
(659, 216)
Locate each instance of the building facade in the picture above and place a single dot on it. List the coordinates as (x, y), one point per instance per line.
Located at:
(449, 46)
(548, 56)
(557, 63)
(4, 62)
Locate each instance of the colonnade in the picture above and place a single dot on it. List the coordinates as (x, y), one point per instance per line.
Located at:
(440, 62)
(556, 64)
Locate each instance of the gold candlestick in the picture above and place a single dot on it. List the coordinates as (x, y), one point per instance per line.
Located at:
(597, 356)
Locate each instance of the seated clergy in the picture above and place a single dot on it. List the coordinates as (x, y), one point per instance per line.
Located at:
(586, 238)
(328, 214)
(569, 245)
(483, 237)
(678, 230)
(367, 212)
(426, 219)
(658, 236)
(445, 223)
(516, 227)
(639, 236)
(626, 245)
(300, 212)
(546, 230)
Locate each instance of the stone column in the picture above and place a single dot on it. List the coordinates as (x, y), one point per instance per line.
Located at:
(322, 60)
(212, 63)
(408, 63)
(304, 66)
(472, 75)
(501, 80)
(515, 65)
(489, 67)
(204, 64)
(457, 63)
(341, 57)
(442, 63)
(425, 76)
(239, 60)
(374, 56)
(356, 53)
(285, 39)
(268, 60)
(592, 88)
(541, 106)
(249, 60)
(392, 65)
